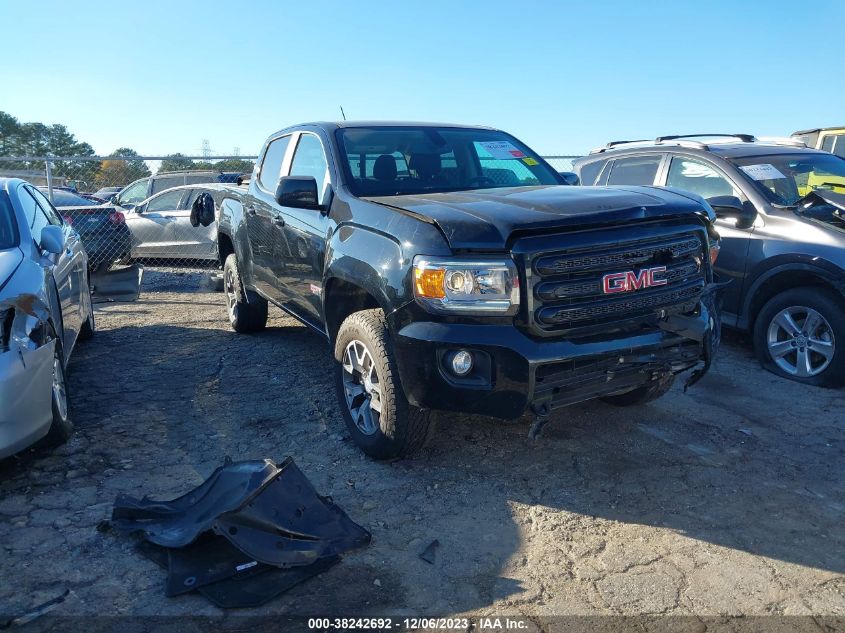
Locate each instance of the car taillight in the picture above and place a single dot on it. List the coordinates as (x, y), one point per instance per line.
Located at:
(116, 217)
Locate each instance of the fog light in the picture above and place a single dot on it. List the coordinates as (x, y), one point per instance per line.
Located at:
(461, 363)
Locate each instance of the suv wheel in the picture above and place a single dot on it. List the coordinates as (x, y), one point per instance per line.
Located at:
(648, 392)
(247, 311)
(379, 417)
(800, 334)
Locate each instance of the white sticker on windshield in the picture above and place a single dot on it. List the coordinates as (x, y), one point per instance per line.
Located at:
(762, 172)
(501, 150)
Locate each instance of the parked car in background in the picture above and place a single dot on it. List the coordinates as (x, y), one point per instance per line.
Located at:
(827, 139)
(143, 188)
(161, 227)
(45, 308)
(779, 212)
(107, 193)
(102, 227)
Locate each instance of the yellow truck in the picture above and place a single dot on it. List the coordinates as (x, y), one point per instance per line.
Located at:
(828, 139)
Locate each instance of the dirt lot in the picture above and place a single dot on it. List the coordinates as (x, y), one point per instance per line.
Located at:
(726, 500)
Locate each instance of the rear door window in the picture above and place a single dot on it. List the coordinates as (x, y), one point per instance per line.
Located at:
(636, 170)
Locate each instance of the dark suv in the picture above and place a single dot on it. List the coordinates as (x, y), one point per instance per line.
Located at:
(780, 212)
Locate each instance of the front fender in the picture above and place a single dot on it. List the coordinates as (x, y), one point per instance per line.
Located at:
(371, 260)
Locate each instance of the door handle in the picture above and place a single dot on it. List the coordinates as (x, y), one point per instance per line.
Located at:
(250, 209)
(279, 220)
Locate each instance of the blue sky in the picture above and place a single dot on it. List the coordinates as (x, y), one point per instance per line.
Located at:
(563, 76)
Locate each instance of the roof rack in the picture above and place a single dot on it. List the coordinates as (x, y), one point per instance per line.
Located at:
(685, 140)
(745, 138)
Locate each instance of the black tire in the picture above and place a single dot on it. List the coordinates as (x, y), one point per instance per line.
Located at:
(831, 307)
(62, 427)
(641, 395)
(86, 333)
(247, 311)
(401, 428)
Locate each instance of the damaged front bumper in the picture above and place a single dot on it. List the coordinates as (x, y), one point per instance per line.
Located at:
(26, 374)
(514, 373)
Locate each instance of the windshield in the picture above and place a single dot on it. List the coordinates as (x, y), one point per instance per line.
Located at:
(8, 226)
(387, 161)
(786, 178)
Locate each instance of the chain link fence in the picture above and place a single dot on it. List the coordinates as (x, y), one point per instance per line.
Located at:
(137, 209)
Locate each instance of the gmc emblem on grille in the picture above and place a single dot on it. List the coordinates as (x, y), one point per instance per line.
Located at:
(629, 280)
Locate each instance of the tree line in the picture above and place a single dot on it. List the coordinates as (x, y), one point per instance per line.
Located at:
(119, 168)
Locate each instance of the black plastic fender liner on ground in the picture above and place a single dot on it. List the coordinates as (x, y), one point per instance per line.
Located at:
(217, 572)
(272, 514)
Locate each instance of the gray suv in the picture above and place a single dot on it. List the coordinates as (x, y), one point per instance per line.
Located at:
(781, 214)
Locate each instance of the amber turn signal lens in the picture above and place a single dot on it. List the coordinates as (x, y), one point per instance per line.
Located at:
(714, 253)
(429, 282)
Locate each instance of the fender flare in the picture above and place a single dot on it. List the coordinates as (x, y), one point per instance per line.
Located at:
(350, 252)
(821, 268)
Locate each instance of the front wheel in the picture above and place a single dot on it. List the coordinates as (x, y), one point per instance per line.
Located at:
(800, 333)
(379, 417)
(89, 327)
(247, 311)
(62, 427)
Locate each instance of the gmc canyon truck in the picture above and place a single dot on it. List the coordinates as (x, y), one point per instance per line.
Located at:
(450, 268)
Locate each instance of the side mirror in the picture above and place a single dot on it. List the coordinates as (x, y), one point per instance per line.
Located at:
(52, 239)
(299, 192)
(569, 177)
(733, 207)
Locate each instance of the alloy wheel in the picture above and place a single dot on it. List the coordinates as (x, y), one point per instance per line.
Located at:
(362, 388)
(59, 389)
(800, 341)
(231, 296)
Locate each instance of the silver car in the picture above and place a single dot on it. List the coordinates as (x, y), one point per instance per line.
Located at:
(45, 307)
(161, 227)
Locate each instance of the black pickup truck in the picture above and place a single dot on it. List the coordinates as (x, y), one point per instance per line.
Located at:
(451, 268)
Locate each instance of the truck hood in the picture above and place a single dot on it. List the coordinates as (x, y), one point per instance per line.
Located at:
(9, 261)
(487, 218)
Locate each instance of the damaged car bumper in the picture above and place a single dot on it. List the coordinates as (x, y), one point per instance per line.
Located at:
(26, 377)
(513, 373)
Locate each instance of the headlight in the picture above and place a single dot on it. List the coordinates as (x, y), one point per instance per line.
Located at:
(467, 286)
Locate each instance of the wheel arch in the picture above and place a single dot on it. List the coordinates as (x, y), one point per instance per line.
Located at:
(784, 277)
(343, 297)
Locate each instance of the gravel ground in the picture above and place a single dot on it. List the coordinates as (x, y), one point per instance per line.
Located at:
(725, 500)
